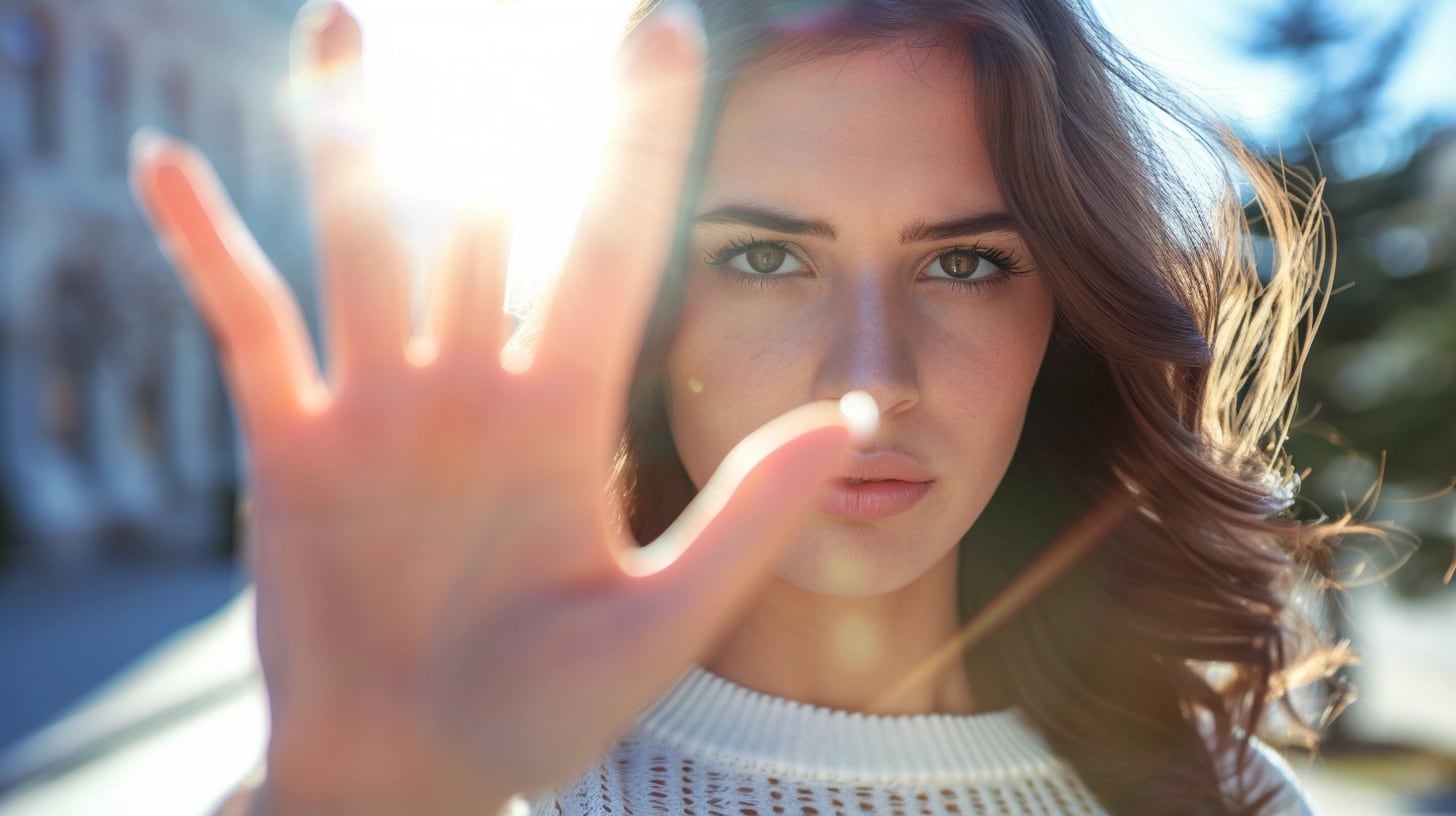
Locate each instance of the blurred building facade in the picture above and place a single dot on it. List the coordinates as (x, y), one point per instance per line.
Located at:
(115, 434)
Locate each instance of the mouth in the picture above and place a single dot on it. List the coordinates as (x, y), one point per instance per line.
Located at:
(876, 484)
(866, 499)
(855, 480)
(883, 465)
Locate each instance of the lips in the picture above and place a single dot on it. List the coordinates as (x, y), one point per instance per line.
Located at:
(877, 484)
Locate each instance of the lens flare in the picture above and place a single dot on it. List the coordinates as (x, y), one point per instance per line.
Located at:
(493, 105)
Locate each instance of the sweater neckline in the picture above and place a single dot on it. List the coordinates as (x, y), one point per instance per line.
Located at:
(709, 715)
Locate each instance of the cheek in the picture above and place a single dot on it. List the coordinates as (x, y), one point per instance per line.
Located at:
(736, 364)
(989, 369)
(728, 373)
(976, 379)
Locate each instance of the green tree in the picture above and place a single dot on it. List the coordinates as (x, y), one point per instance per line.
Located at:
(1381, 379)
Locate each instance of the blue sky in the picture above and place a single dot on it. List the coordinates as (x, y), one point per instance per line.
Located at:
(1195, 45)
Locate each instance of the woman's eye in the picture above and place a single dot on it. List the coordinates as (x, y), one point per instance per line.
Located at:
(961, 264)
(765, 259)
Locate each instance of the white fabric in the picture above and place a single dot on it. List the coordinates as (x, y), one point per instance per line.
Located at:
(713, 748)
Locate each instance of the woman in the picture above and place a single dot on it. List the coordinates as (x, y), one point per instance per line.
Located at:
(946, 210)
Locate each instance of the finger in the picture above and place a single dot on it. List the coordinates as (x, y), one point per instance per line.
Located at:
(467, 290)
(713, 558)
(595, 319)
(365, 279)
(262, 341)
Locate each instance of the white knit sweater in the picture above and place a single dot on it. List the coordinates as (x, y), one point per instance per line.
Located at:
(713, 748)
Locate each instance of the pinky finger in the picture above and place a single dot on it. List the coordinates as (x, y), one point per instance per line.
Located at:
(266, 355)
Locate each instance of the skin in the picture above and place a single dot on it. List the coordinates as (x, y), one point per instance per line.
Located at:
(870, 143)
(446, 613)
(390, 487)
(404, 549)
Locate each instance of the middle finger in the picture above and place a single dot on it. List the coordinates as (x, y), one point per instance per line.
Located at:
(467, 289)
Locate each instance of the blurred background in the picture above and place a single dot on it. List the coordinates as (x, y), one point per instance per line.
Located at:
(126, 678)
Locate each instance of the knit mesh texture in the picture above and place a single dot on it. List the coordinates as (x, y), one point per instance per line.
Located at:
(640, 778)
(710, 747)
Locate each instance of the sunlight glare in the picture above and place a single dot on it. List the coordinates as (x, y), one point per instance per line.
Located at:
(493, 105)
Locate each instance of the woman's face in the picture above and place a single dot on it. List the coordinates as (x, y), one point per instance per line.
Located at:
(851, 236)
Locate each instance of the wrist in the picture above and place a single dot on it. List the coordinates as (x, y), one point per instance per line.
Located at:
(265, 800)
(374, 779)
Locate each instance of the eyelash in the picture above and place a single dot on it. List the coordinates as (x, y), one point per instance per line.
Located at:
(738, 247)
(1009, 265)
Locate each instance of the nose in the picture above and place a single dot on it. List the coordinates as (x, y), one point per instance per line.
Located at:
(869, 347)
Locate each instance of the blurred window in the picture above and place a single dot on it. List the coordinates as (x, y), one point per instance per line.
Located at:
(232, 150)
(148, 417)
(78, 325)
(145, 332)
(107, 79)
(177, 103)
(28, 49)
(220, 430)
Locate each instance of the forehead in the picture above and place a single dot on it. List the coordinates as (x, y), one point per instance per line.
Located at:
(887, 127)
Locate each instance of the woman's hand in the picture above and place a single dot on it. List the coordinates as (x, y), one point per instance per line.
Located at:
(445, 613)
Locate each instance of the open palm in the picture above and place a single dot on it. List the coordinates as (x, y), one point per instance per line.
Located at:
(446, 614)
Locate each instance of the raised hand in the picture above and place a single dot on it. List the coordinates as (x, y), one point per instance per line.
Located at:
(446, 616)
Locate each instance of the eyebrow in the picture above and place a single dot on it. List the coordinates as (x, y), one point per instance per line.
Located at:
(970, 225)
(768, 218)
(749, 215)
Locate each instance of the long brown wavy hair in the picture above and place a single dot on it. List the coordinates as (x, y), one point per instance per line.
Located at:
(1168, 389)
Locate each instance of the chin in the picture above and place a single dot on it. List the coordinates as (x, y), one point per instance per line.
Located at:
(853, 562)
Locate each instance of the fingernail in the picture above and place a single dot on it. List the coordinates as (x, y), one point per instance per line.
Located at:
(172, 183)
(861, 414)
(145, 143)
(340, 39)
(675, 25)
(685, 16)
(329, 33)
(327, 78)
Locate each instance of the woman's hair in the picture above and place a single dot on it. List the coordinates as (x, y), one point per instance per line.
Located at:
(1169, 382)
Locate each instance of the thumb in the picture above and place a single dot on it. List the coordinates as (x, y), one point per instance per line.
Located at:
(716, 554)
